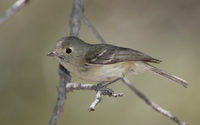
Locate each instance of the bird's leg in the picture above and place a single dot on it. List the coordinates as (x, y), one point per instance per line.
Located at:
(106, 85)
(99, 85)
(107, 91)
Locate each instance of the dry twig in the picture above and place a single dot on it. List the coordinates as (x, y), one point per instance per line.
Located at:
(75, 18)
(100, 90)
(92, 28)
(62, 91)
(13, 10)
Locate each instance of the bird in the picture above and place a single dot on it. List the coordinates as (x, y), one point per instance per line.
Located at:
(104, 62)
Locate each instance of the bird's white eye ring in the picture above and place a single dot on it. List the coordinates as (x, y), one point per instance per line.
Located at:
(68, 50)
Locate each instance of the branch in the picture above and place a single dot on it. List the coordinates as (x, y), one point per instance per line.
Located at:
(79, 86)
(12, 10)
(96, 101)
(152, 104)
(64, 79)
(75, 18)
(100, 90)
(98, 36)
(64, 74)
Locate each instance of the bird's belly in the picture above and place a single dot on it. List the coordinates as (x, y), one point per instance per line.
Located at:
(106, 73)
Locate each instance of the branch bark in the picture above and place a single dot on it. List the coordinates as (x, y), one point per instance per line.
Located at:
(75, 19)
(62, 91)
(92, 28)
(13, 10)
(100, 90)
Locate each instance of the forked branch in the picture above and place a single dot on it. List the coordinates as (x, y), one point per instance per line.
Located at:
(99, 92)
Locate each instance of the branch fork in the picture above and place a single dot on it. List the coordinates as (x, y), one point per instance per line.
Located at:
(100, 90)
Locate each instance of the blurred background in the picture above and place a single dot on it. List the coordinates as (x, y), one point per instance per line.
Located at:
(168, 30)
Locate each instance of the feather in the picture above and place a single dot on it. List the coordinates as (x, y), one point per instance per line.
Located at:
(109, 54)
(169, 76)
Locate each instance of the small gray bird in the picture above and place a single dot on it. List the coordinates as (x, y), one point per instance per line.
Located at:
(104, 62)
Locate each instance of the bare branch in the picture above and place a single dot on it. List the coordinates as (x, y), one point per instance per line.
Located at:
(79, 86)
(152, 104)
(64, 79)
(96, 101)
(92, 28)
(75, 18)
(100, 90)
(12, 10)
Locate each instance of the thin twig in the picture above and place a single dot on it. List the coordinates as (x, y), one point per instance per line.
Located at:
(79, 86)
(64, 78)
(12, 10)
(92, 28)
(96, 101)
(100, 90)
(152, 104)
(75, 18)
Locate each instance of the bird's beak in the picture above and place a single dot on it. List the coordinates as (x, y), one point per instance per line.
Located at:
(54, 53)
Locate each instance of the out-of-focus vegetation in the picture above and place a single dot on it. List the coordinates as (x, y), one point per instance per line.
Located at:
(168, 30)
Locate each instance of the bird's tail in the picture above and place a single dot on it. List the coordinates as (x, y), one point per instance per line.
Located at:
(169, 76)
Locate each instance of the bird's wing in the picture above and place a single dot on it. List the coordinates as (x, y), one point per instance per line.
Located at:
(109, 54)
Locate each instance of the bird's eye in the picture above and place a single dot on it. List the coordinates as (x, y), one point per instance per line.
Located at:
(68, 50)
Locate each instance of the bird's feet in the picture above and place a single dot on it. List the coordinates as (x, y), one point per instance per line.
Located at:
(107, 91)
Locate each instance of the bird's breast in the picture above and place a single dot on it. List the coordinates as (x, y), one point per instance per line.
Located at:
(105, 73)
